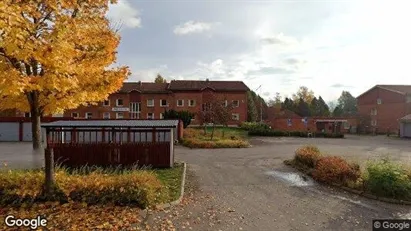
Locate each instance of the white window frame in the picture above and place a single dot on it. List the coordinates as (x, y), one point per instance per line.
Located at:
(161, 115)
(238, 104)
(27, 113)
(237, 115)
(118, 115)
(86, 115)
(161, 103)
(104, 115)
(104, 103)
(191, 105)
(152, 103)
(72, 114)
(379, 101)
(182, 103)
(117, 104)
(226, 103)
(151, 117)
(374, 123)
(374, 111)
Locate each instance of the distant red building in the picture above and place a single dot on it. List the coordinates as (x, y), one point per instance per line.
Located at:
(143, 100)
(382, 106)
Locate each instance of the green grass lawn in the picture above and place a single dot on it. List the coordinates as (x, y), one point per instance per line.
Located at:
(171, 178)
(223, 133)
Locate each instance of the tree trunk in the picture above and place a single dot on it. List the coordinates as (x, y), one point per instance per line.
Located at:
(49, 170)
(35, 119)
(212, 132)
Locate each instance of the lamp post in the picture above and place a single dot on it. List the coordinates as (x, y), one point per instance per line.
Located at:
(261, 104)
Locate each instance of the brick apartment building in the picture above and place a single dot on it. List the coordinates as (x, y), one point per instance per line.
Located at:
(143, 100)
(383, 106)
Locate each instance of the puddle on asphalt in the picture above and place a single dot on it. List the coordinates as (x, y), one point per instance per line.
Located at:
(292, 178)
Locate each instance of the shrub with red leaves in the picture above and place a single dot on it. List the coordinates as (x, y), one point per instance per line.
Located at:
(307, 155)
(334, 169)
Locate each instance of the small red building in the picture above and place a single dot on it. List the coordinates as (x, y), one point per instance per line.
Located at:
(143, 100)
(382, 106)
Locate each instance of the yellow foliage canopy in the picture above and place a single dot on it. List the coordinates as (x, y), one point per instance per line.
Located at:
(56, 54)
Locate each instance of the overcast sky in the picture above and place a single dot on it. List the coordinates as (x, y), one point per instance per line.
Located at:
(328, 46)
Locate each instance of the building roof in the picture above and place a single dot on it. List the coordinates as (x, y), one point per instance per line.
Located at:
(400, 89)
(113, 123)
(406, 118)
(279, 113)
(144, 87)
(197, 85)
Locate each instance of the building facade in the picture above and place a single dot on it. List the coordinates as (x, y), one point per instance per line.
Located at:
(382, 106)
(142, 100)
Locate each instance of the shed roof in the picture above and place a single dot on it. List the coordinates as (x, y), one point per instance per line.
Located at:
(406, 118)
(114, 123)
(330, 121)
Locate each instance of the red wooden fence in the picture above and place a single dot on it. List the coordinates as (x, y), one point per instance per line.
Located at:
(105, 154)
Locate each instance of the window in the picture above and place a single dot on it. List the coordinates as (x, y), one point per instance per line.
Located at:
(346, 125)
(150, 103)
(193, 118)
(119, 115)
(135, 110)
(106, 103)
(163, 103)
(119, 102)
(150, 115)
(374, 123)
(89, 115)
(74, 115)
(235, 116)
(191, 103)
(379, 101)
(236, 103)
(180, 103)
(408, 98)
(27, 114)
(374, 111)
(161, 116)
(225, 103)
(106, 115)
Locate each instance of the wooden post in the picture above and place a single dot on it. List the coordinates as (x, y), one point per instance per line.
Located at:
(154, 135)
(21, 131)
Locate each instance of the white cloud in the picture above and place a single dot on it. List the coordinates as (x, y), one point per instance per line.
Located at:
(149, 74)
(125, 14)
(279, 39)
(192, 27)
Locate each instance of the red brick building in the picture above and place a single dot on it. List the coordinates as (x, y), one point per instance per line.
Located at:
(142, 100)
(383, 105)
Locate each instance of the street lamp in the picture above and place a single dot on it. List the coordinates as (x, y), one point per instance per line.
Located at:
(261, 104)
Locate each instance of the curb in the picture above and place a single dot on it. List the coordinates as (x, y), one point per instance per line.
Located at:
(180, 198)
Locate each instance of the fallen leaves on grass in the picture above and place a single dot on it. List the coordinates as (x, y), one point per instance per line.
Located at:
(78, 216)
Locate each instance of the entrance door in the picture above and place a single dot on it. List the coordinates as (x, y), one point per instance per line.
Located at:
(135, 110)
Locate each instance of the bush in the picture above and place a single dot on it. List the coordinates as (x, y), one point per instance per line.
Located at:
(254, 126)
(184, 116)
(265, 132)
(307, 156)
(130, 187)
(388, 179)
(334, 169)
(233, 143)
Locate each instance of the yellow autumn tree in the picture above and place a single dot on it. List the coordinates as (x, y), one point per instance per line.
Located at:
(56, 55)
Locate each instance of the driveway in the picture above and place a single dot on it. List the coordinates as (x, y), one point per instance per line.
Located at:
(242, 189)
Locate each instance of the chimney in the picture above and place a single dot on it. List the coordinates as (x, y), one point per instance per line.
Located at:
(140, 83)
(207, 80)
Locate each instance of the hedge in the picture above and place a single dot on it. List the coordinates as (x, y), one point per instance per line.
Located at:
(278, 133)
